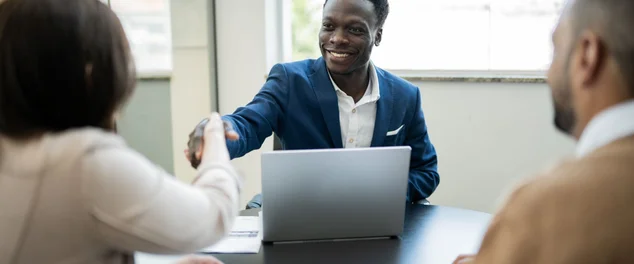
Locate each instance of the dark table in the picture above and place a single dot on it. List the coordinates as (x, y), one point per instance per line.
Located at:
(432, 234)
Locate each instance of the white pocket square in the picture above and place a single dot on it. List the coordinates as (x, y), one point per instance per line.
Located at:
(394, 132)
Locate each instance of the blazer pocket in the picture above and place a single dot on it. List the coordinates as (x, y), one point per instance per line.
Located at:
(394, 132)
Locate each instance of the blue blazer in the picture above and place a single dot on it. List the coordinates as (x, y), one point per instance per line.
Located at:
(299, 103)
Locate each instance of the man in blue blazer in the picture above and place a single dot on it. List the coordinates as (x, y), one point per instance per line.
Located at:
(341, 99)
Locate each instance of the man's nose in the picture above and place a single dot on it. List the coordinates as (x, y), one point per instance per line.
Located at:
(339, 37)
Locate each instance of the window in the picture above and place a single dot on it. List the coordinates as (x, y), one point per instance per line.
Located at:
(147, 25)
(453, 35)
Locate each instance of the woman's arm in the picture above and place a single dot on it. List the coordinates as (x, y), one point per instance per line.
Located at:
(139, 207)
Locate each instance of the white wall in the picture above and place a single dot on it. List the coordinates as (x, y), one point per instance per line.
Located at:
(242, 65)
(190, 82)
(488, 136)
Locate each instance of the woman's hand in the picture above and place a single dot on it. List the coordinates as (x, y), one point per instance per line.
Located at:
(214, 146)
(464, 259)
(199, 260)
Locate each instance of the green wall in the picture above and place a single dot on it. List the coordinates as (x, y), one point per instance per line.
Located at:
(146, 122)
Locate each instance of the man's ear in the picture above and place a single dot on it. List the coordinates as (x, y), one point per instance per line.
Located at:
(592, 56)
(379, 35)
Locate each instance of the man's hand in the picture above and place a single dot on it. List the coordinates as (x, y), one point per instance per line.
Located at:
(196, 139)
(464, 259)
(199, 260)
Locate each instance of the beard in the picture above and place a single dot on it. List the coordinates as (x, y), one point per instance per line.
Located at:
(565, 117)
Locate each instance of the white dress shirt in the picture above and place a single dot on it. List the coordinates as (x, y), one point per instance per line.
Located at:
(357, 119)
(608, 126)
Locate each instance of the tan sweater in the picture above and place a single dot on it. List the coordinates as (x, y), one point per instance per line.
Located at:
(84, 197)
(580, 212)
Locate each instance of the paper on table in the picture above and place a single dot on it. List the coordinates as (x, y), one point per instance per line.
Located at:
(245, 237)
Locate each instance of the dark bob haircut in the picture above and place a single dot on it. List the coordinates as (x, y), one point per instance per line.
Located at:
(64, 64)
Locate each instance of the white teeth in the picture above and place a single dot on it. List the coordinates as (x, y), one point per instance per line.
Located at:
(339, 55)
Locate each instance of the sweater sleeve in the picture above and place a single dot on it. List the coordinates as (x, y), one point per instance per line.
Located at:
(136, 206)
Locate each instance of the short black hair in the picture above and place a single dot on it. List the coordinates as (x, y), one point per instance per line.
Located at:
(613, 21)
(63, 64)
(381, 8)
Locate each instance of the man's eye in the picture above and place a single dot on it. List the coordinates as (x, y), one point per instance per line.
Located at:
(327, 26)
(356, 30)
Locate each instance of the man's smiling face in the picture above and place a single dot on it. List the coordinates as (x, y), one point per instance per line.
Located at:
(348, 32)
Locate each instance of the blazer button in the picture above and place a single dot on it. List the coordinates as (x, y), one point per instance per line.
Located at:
(354, 110)
(351, 140)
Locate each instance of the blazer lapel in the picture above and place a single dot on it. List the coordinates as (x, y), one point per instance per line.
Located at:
(327, 98)
(383, 110)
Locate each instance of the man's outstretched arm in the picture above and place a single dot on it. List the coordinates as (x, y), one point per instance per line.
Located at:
(248, 127)
(262, 116)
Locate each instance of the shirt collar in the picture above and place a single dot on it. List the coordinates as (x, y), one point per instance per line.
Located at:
(608, 126)
(373, 84)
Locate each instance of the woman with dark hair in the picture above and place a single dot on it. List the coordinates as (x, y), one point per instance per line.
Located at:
(71, 191)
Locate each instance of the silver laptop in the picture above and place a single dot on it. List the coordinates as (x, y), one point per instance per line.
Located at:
(334, 193)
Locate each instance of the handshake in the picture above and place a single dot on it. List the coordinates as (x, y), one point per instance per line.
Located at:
(205, 137)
